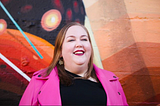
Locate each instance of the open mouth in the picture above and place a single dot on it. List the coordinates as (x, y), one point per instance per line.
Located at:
(78, 52)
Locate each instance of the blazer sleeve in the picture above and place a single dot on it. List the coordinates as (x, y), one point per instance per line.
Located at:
(29, 96)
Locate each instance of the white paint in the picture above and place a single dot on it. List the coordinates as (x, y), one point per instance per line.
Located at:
(88, 3)
(14, 67)
(53, 19)
(1, 26)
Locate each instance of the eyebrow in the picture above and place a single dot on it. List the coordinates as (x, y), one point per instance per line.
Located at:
(70, 36)
(74, 36)
(84, 36)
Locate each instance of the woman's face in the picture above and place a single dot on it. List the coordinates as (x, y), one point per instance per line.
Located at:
(76, 48)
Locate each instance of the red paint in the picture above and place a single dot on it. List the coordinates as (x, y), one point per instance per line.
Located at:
(26, 8)
(10, 76)
(75, 5)
(58, 5)
(77, 20)
(69, 14)
(82, 11)
(5, 1)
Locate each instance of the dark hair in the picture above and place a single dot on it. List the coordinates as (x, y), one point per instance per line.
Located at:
(63, 76)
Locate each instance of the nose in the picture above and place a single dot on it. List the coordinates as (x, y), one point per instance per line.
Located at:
(79, 44)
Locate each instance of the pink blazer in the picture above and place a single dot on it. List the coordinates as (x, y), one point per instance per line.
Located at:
(46, 91)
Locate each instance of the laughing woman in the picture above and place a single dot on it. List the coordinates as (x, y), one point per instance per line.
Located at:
(72, 78)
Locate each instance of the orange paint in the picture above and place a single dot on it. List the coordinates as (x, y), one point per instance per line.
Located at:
(17, 49)
(51, 20)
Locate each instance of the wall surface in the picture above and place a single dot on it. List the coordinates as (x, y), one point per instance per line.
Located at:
(127, 33)
(125, 36)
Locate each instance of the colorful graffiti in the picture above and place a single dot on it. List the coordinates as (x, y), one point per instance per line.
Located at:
(128, 43)
(28, 30)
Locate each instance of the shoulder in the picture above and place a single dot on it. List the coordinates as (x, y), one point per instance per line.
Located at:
(105, 73)
(102, 70)
(41, 74)
(42, 71)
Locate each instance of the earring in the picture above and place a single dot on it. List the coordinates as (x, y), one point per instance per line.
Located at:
(60, 62)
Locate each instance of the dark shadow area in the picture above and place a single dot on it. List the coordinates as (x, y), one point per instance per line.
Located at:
(9, 98)
(140, 87)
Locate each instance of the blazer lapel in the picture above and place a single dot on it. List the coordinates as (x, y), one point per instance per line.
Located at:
(50, 91)
(107, 80)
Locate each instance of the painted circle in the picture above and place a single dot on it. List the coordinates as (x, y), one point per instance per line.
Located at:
(3, 26)
(51, 20)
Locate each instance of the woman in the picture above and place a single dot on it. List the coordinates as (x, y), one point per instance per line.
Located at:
(72, 78)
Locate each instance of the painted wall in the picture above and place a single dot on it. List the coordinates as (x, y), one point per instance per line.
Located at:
(125, 35)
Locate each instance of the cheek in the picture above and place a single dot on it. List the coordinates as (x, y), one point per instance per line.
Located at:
(89, 50)
(88, 47)
(67, 49)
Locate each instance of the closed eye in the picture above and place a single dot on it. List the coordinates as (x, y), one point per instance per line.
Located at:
(70, 40)
(84, 39)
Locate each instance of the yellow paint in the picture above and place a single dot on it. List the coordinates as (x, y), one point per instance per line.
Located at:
(97, 59)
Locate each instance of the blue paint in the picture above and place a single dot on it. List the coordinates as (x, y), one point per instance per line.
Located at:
(20, 30)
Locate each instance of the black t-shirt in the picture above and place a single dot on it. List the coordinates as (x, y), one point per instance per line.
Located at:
(83, 92)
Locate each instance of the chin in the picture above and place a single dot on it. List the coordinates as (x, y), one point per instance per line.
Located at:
(81, 63)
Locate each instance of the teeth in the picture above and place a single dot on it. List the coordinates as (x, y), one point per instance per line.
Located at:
(78, 52)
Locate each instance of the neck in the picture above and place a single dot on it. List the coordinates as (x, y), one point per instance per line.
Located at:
(77, 69)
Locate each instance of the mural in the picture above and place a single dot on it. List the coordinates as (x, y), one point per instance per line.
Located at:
(128, 44)
(28, 30)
